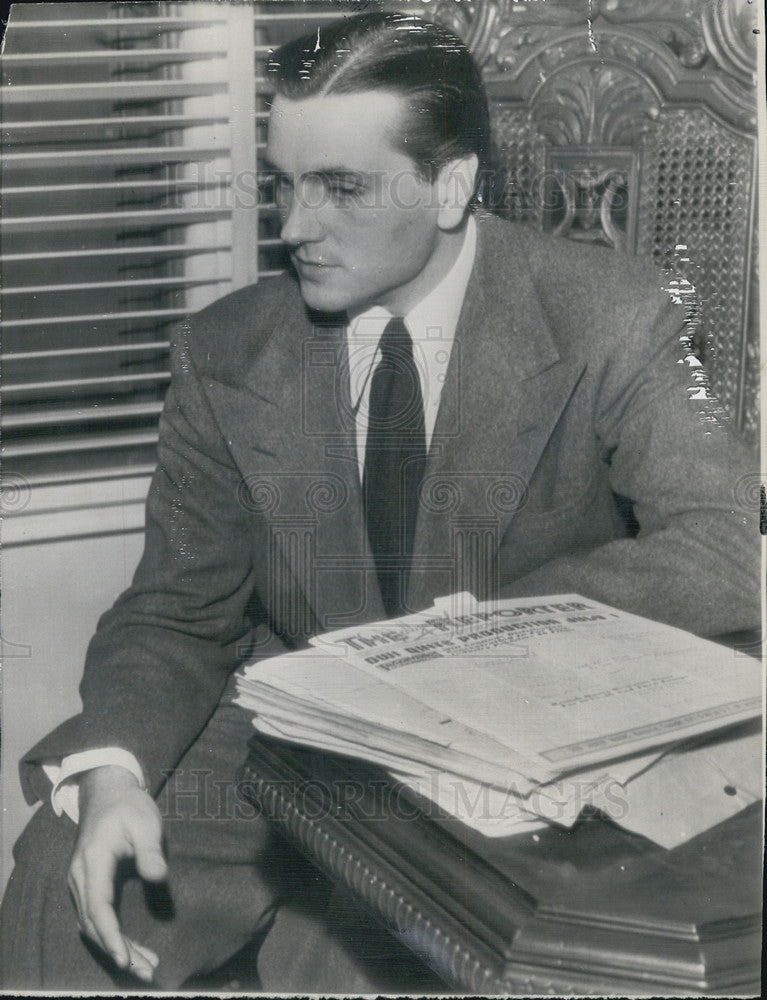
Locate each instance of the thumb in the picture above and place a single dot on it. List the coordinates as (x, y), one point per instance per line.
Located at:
(148, 856)
(150, 864)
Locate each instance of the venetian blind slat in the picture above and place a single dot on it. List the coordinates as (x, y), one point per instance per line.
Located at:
(123, 129)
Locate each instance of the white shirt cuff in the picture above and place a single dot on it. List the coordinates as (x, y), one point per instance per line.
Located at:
(63, 775)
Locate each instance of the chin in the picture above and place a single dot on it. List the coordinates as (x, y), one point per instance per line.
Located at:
(327, 300)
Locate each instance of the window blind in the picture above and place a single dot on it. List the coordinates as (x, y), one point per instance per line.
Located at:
(131, 199)
(128, 130)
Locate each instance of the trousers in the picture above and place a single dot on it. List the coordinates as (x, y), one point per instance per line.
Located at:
(232, 880)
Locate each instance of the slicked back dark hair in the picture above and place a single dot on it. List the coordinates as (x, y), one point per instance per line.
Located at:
(424, 63)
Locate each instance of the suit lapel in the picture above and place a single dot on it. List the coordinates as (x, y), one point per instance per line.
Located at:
(504, 390)
(292, 434)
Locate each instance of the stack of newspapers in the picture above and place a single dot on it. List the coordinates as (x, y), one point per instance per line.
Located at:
(510, 715)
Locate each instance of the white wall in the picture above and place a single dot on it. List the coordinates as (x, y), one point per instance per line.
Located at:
(66, 556)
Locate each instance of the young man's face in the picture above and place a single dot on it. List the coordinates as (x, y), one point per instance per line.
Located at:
(361, 225)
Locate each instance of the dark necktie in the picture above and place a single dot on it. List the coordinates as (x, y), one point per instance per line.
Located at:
(395, 454)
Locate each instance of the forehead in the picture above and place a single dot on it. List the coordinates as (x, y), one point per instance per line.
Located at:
(349, 130)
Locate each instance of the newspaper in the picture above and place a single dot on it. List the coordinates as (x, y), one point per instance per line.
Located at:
(531, 708)
(561, 682)
(686, 791)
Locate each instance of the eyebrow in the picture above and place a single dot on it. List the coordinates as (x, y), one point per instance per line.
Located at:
(339, 174)
(334, 173)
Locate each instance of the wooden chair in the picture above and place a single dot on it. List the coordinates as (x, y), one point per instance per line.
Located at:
(632, 123)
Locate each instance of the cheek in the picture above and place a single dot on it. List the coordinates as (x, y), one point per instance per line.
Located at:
(398, 236)
(414, 238)
(393, 238)
(413, 218)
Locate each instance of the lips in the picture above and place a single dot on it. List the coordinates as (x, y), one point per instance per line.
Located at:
(302, 262)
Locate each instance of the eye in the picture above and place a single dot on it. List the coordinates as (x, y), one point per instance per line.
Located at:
(344, 191)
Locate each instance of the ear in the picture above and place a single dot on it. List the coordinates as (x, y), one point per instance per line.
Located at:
(455, 186)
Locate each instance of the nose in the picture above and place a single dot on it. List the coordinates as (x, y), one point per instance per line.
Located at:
(299, 221)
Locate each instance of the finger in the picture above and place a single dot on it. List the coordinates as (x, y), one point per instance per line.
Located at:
(78, 893)
(151, 865)
(138, 961)
(88, 928)
(85, 923)
(99, 911)
(142, 949)
(104, 922)
(148, 856)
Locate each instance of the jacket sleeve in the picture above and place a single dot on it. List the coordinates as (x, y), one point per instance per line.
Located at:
(669, 450)
(160, 658)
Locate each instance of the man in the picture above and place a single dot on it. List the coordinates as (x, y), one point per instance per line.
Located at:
(540, 438)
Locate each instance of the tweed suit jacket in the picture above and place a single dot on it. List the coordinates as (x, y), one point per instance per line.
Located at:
(569, 455)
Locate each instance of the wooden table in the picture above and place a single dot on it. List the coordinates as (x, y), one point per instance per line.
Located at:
(591, 910)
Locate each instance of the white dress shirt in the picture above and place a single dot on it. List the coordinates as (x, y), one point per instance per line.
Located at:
(431, 324)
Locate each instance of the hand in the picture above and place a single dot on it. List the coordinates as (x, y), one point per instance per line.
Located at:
(117, 820)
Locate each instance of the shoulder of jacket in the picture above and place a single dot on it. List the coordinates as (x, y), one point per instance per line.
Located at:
(234, 329)
(593, 297)
(561, 264)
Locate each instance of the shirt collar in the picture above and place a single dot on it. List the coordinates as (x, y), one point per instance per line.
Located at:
(436, 315)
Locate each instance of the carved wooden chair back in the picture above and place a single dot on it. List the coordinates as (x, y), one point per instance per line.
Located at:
(632, 123)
